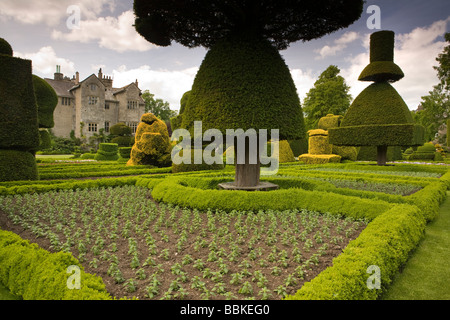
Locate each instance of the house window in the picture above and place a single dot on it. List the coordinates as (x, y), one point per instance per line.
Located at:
(133, 126)
(106, 126)
(93, 87)
(132, 105)
(106, 105)
(65, 101)
(92, 127)
(93, 100)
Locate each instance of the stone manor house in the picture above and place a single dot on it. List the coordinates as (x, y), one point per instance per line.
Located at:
(93, 104)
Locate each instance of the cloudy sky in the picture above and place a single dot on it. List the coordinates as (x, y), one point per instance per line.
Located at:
(47, 32)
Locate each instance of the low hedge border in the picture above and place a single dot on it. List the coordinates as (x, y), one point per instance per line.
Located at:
(36, 274)
(386, 242)
(43, 186)
(184, 192)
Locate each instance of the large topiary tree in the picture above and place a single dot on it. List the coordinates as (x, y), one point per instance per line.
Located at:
(46, 100)
(19, 133)
(379, 116)
(243, 82)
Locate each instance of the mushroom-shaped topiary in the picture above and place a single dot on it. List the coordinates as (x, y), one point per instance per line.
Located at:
(152, 143)
(379, 116)
(243, 82)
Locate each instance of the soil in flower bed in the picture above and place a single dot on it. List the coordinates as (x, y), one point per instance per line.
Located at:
(151, 250)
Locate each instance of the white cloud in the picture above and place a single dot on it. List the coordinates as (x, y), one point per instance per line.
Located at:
(304, 81)
(339, 45)
(45, 60)
(50, 12)
(415, 54)
(117, 34)
(164, 84)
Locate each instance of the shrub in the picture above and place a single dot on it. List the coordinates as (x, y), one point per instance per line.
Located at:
(346, 153)
(120, 129)
(18, 109)
(88, 156)
(329, 121)
(123, 141)
(318, 142)
(35, 274)
(17, 165)
(107, 152)
(46, 100)
(152, 143)
(299, 146)
(125, 152)
(45, 139)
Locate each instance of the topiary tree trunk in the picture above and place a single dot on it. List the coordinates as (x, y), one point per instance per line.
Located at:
(246, 174)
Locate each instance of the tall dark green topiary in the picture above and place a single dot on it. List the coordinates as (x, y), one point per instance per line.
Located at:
(19, 133)
(379, 116)
(243, 82)
(46, 100)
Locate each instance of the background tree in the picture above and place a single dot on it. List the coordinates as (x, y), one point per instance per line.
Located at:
(243, 82)
(330, 95)
(158, 107)
(434, 108)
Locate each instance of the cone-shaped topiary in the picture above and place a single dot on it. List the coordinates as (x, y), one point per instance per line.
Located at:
(243, 82)
(378, 116)
(152, 143)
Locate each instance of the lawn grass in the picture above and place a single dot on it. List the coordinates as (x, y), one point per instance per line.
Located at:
(426, 276)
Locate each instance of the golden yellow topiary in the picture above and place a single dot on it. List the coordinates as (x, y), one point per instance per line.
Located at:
(318, 142)
(152, 143)
(285, 153)
(319, 158)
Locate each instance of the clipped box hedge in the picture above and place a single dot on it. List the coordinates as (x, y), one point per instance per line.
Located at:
(386, 242)
(107, 152)
(377, 134)
(36, 274)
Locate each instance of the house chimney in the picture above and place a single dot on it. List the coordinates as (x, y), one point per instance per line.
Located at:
(137, 83)
(77, 77)
(58, 75)
(100, 74)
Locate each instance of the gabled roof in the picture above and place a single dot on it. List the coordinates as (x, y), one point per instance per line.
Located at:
(61, 87)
